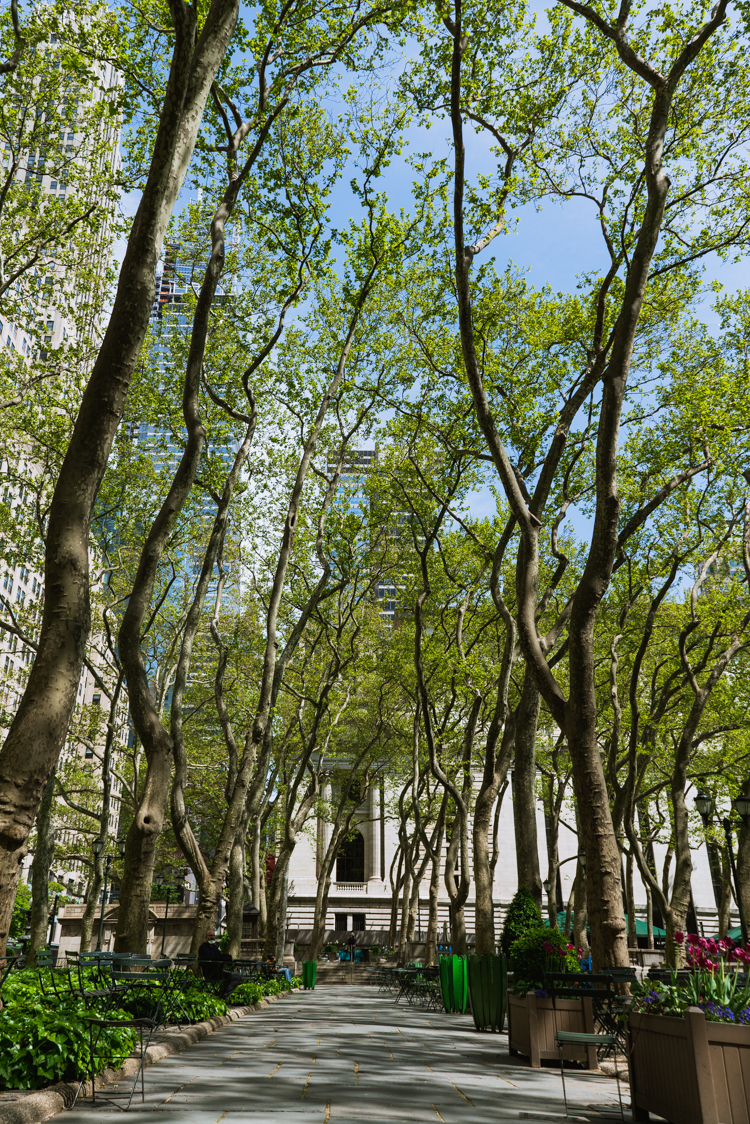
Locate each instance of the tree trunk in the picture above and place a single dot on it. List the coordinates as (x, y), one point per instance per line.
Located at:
(274, 900)
(138, 875)
(743, 858)
(258, 878)
(39, 729)
(430, 952)
(726, 894)
(402, 951)
(569, 909)
(553, 853)
(10, 873)
(580, 939)
(92, 898)
(395, 891)
(281, 926)
(141, 844)
(524, 789)
(649, 918)
(43, 856)
(630, 892)
(321, 910)
(236, 893)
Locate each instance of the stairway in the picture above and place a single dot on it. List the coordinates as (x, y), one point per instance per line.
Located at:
(342, 974)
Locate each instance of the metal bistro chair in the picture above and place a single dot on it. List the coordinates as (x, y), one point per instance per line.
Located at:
(53, 978)
(599, 988)
(142, 983)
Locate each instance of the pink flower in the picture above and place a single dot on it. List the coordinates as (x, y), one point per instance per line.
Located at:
(679, 937)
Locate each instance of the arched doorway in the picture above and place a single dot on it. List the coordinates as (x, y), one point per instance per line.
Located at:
(350, 863)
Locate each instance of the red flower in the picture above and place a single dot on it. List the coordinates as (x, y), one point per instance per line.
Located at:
(679, 937)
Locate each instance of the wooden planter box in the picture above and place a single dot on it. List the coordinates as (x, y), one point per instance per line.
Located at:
(532, 1024)
(689, 1070)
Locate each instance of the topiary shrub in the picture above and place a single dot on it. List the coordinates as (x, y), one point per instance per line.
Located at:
(538, 951)
(523, 914)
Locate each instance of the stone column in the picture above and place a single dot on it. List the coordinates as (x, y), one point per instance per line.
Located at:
(375, 844)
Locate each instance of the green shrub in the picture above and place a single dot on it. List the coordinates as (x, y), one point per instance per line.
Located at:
(195, 1005)
(49, 1041)
(255, 990)
(523, 914)
(20, 918)
(540, 950)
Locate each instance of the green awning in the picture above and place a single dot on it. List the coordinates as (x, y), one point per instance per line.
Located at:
(641, 928)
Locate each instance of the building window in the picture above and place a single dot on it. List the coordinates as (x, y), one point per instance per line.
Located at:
(342, 923)
(350, 863)
(358, 923)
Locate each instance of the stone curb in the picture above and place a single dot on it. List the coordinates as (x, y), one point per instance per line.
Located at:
(33, 1108)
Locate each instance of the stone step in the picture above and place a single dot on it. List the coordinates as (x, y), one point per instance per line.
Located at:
(342, 974)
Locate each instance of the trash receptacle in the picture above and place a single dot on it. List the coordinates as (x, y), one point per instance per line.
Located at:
(453, 983)
(488, 990)
(309, 974)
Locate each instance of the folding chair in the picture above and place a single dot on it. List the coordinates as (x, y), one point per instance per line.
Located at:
(598, 987)
(143, 984)
(53, 980)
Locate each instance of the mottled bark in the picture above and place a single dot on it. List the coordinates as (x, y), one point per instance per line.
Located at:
(430, 952)
(44, 854)
(580, 913)
(524, 789)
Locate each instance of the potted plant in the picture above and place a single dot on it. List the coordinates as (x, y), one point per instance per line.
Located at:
(689, 1040)
(532, 1019)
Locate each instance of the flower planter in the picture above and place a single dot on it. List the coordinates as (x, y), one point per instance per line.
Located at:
(532, 1023)
(689, 1070)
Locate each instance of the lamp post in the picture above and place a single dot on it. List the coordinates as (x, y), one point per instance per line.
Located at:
(741, 805)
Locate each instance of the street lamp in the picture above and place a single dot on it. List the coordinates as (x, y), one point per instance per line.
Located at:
(98, 846)
(741, 805)
(704, 805)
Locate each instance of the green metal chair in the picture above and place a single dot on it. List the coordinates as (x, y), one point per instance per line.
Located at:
(599, 988)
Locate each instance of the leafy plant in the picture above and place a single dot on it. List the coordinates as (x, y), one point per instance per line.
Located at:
(540, 950)
(49, 1041)
(255, 990)
(523, 914)
(715, 991)
(21, 908)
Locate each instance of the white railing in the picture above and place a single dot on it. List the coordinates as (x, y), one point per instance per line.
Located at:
(351, 887)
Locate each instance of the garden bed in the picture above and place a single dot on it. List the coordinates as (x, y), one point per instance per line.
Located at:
(532, 1023)
(689, 1070)
(32, 1107)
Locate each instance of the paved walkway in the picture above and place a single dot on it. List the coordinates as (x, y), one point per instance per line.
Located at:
(345, 1054)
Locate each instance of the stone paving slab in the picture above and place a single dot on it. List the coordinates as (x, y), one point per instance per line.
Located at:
(338, 1056)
